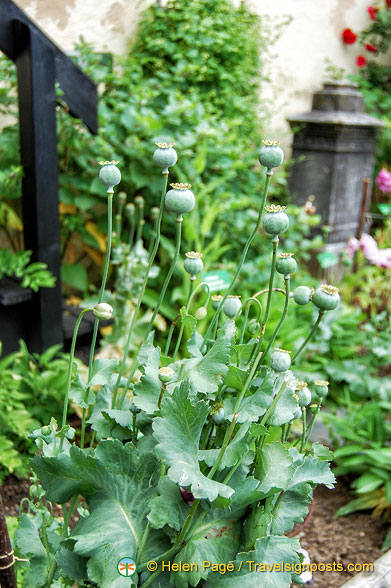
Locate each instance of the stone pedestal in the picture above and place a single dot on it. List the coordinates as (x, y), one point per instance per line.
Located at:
(336, 146)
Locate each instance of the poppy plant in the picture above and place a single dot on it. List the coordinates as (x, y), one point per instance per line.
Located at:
(372, 11)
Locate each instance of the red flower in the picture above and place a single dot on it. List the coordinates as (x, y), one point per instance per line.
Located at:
(349, 37)
(370, 47)
(388, 3)
(361, 61)
(372, 11)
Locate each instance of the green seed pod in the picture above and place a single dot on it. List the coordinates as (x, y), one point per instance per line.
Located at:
(280, 360)
(122, 198)
(218, 415)
(321, 388)
(253, 326)
(154, 212)
(271, 155)
(180, 199)
(39, 442)
(302, 295)
(130, 209)
(216, 299)
(286, 264)
(201, 313)
(109, 174)
(231, 306)
(37, 491)
(326, 297)
(275, 221)
(103, 311)
(303, 394)
(139, 201)
(46, 430)
(165, 156)
(134, 409)
(193, 263)
(165, 374)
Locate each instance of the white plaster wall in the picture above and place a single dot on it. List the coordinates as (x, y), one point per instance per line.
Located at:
(298, 68)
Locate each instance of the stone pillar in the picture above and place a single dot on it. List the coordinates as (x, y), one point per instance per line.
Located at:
(336, 144)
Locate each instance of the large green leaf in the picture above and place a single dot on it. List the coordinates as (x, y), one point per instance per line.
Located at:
(178, 434)
(254, 405)
(105, 420)
(291, 509)
(29, 543)
(169, 508)
(118, 485)
(275, 468)
(269, 551)
(207, 372)
(102, 370)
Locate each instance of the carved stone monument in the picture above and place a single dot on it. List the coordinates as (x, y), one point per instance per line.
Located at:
(336, 146)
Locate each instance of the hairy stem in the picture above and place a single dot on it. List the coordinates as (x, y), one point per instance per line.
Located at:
(311, 334)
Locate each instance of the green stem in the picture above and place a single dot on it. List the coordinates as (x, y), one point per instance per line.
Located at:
(157, 307)
(134, 429)
(230, 430)
(280, 322)
(250, 239)
(140, 223)
(69, 376)
(311, 426)
(104, 278)
(273, 404)
(170, 334)
(311, 334)
(143, 540)
(257, 348)
(248, 303)
(303, 436)
(179, 339)
(141, 295)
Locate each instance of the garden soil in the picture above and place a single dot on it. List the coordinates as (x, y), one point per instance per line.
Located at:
(355, 538)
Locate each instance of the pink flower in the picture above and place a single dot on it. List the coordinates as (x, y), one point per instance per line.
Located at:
(372, 11)
(368, 246)
(352, 246)
(383, 180)
(383, 258)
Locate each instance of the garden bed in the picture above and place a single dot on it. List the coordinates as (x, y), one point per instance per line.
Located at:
(355, 538)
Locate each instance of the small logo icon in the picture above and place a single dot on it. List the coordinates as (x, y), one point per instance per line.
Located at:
(126, 566)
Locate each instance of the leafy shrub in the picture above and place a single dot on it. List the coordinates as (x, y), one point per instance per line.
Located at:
(32, 388)
(192, 73)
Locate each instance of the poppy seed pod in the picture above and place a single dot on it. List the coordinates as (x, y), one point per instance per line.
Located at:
(102, 311)
(109, 174)
(218, 414)
(321, 388)
(165, 374)
(271, 155)
(326, 297)
(302, 295)
(280, 360)
(180, 199)
(165, 156)
(193, 263)
(303, 394)
(275, 221)
(231, 306)
(216, 299)
(286, 264)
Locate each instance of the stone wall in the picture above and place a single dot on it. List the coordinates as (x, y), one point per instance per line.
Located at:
(313, 34)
